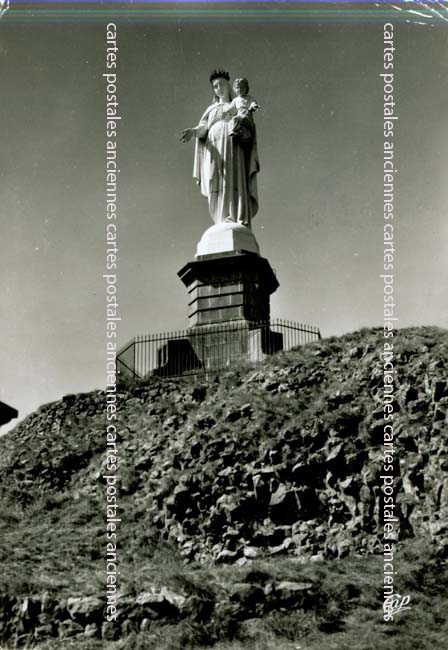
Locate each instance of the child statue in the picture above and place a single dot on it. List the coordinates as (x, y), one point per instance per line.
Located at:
(242, 126)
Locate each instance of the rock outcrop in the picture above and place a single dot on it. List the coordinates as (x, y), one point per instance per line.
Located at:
(284, 459)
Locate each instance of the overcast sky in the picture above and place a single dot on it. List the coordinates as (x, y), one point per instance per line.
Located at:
(320, 185)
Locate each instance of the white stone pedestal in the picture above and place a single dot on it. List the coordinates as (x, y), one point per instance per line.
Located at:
(226, 237)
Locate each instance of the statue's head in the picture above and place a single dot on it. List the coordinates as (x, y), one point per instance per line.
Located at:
(241, 86)
(220, 81)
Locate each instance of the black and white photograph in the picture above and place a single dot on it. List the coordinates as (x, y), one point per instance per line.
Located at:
(224, 350)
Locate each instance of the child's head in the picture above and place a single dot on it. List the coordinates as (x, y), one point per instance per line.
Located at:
(241, 86)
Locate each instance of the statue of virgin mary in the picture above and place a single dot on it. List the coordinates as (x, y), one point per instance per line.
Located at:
(224, 168)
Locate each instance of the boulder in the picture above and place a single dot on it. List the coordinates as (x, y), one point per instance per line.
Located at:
(68, 628)
(284, 506)
(157, 604)
(85, 610)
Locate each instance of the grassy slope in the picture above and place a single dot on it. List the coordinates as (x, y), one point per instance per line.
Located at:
(52, 533)
(344, 620)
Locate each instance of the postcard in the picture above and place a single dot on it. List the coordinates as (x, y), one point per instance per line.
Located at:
(224, 380)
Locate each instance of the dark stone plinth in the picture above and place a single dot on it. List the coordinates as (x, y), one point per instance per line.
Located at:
(229, 314)
(177, 357)
(224, 347)
(215, 348)
(228, 311)
(228, 287)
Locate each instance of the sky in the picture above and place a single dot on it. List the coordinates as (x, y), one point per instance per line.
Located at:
(320, 221)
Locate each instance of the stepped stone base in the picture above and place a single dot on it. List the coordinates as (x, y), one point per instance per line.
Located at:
(229, 314)
(228, 310)
(228, 287)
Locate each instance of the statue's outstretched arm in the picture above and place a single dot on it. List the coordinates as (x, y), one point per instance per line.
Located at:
(187, 134)
(199, 131)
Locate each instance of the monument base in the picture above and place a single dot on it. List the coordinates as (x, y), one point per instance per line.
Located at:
(217, 348)
(228, 307)
(229, 315)
(228, 287)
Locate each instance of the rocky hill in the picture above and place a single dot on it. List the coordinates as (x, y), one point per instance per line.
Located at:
(279, 461)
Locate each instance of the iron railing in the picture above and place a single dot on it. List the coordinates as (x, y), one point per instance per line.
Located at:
(214, 348)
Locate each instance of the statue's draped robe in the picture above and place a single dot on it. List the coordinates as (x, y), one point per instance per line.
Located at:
(225, 171)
